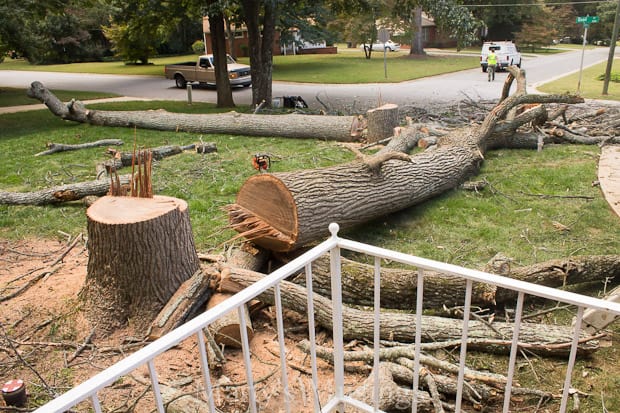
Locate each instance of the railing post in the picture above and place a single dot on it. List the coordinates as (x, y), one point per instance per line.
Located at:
(513, 351)
(418, 338)
(377, 332)
(312, 338)
(463, 355)
(280, 325)
(335, 267)
(571, 360)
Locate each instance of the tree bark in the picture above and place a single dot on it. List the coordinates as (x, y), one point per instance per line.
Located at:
(61, 147)
(186, 302)
(358, 324)
(392, 397)
(62, 193)
(140, 251)
(218, 43)
(381, 122)
(288, 126)
(285, 211)
(398, 286)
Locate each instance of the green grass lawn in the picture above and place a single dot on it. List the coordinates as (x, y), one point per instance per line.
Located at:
(340, 68)
(513, 215)
(591, 86)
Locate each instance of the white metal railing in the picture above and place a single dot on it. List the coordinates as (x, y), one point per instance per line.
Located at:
(89, 389)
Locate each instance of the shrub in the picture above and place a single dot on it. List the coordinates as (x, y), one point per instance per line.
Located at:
(198, 47)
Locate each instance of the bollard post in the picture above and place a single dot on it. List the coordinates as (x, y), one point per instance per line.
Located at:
(189, 94)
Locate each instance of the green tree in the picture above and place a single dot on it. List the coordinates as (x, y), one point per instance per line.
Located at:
(19, 21)
(539, 31)
(138, 27)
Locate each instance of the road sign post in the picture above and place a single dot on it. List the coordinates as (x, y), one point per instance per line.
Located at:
(586, 21)
(384, 36)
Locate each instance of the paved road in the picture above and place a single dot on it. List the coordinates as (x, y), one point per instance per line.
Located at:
(427, 92)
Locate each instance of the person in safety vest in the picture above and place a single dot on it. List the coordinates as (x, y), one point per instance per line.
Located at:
(492, 63)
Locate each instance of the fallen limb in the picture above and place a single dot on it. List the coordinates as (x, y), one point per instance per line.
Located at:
(392, 397)
(399, 286)
(61, 147)
(288, 126)
(358, 324)
(408, 352)
(62, 193)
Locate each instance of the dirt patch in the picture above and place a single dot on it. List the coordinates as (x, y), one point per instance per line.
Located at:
(46, 341)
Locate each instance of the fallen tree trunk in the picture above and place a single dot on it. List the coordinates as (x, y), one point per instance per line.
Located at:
(284, 211)
(287, 126)
(398, 286)
(62, 193)
(358, 324)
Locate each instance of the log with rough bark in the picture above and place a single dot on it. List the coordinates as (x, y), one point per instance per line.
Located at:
(558, 273)
(62, 193)
(381, 122)
(398, 286)
(284, 211)
(226, 329)
(124, 159)
(140, 251)
(392, 397)
(358, 324)
(186, 302)
(287, 126)
(61, 147)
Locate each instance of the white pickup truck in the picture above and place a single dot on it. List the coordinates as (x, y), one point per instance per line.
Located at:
(202, 71)
(506, 52)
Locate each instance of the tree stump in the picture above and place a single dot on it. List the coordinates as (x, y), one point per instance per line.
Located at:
(381, 122)
(140, 251)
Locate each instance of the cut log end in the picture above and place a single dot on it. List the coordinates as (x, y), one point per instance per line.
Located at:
(268, 221)
(113, 210)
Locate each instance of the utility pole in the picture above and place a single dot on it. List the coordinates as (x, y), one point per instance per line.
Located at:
(612, 49)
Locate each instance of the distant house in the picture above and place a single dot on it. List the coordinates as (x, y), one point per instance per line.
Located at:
(240, 43)
(300, 46)
(431, 35)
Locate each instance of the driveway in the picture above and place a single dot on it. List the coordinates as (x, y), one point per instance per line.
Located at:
(439, 90)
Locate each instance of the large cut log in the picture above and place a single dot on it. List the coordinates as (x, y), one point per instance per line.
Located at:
(284, 211)
(559, 272)
(62, 193)
(287, 126)
(141, 250)
(358, 324)
(381, 122)
(398, 286)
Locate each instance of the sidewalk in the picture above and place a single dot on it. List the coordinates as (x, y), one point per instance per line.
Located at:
(609, 175)
(38, 106)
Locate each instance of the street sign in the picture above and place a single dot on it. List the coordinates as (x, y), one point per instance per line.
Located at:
(587, 19)
(384, 35)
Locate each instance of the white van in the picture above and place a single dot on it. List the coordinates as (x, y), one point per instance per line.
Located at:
(507, 54)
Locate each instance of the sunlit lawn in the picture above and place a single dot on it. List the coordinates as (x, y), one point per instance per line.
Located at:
(591, 87)
(339, 68)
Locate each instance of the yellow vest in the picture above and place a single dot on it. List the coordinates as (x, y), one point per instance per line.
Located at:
(492, 59)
